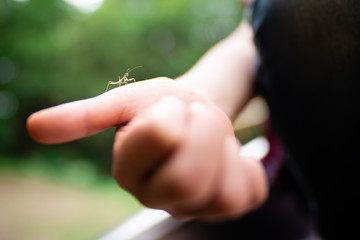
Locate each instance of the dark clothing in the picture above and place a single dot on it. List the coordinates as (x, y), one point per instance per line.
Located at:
(310, 76)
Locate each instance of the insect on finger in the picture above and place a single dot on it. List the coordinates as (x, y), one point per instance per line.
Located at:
(124, 79)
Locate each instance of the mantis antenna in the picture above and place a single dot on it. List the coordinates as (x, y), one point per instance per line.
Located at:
(129, 70)
(124, 78)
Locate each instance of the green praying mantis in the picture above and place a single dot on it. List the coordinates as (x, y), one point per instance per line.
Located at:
(123, 80)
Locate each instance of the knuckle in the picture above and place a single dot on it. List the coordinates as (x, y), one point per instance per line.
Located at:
(116, 173)
(234, 203)
(187, 185)
(124, 178)
(170, 187)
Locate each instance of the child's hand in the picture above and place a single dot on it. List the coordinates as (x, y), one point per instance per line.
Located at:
(176, 153)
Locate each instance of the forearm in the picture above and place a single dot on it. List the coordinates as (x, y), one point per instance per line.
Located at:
(225, 73)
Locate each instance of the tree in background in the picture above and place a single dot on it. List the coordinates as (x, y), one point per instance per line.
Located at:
(51, 52)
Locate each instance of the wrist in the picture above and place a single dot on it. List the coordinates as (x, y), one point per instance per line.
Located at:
(199, 85)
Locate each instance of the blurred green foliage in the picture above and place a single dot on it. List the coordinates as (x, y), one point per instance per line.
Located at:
(51, 52)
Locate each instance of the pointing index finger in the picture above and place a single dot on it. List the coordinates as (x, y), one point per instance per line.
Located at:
(71, 121)
(74, 120)
(82, 118)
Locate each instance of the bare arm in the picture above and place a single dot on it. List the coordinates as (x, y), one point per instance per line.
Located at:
(225, 73)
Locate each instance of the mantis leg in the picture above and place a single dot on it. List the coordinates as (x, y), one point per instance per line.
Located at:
(112, 83)
(107, 86)
(131, 80)
(121, 80)
(124, 80)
